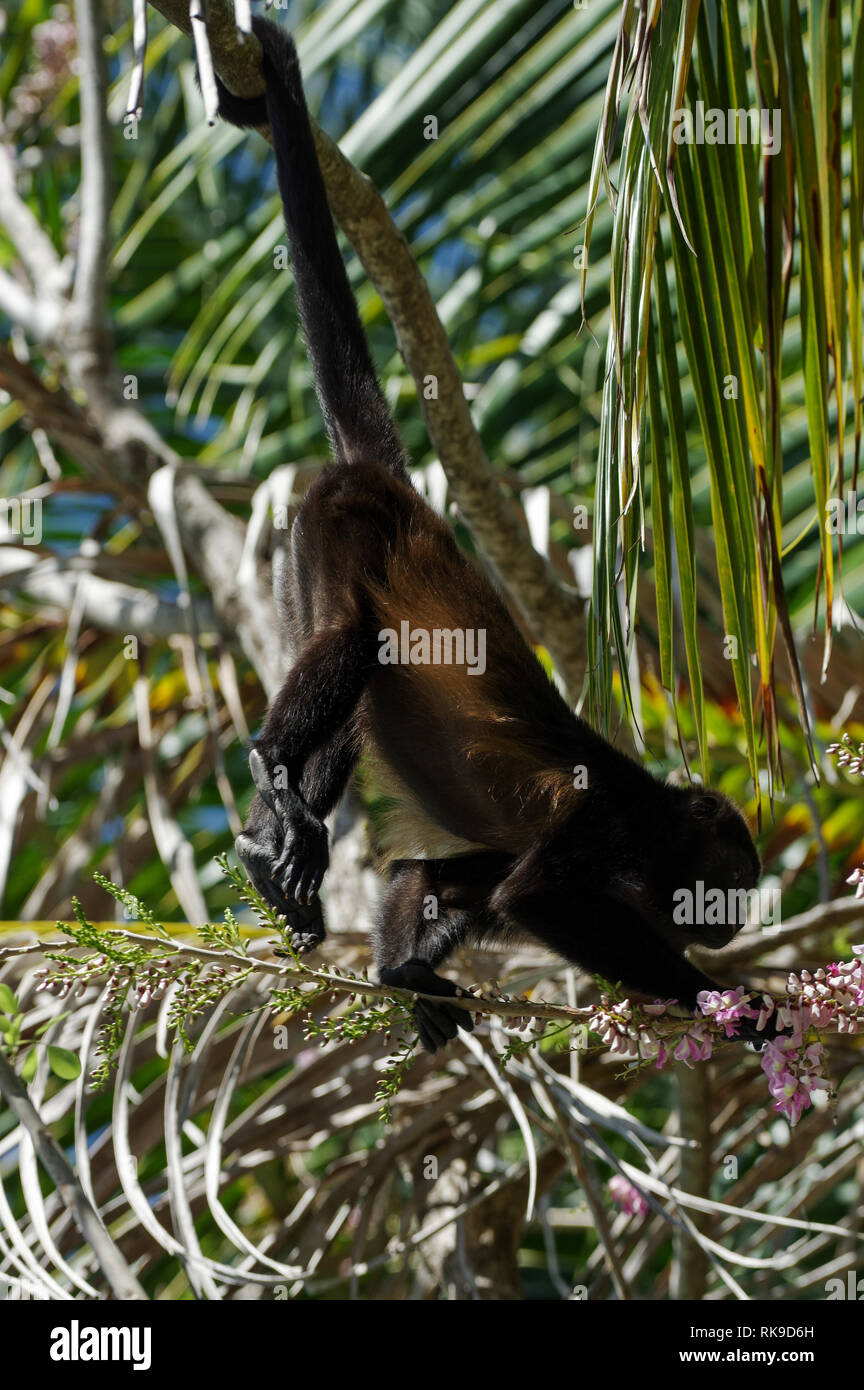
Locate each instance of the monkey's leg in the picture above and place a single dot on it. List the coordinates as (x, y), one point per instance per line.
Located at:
(428, 910)
(316, 702)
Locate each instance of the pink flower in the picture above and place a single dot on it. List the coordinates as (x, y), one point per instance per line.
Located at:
(794, 1073)
(626, 1196)
(649, 1044)
(726, 1007)
(767, 1009)
(818, 999)
(613, 1023)
(857, 876)
(696, 1045)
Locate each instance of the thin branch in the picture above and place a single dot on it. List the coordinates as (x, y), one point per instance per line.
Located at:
(107, 605)
(90, 292)
(840, 912)
(667, 1028)
(690, 1273)
(58, 415)
(32, 243)
(139, 47)
(342, 984)
(123, 1282)
(209, 91)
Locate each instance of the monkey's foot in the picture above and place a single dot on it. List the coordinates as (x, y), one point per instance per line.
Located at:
(258, 853)
(307, 927)
(301, 945)
(302, 863)
(436, 1023)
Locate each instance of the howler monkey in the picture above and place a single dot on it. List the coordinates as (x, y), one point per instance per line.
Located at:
(513, 815)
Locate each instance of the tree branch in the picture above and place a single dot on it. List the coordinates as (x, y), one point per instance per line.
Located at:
(841, 912)
(121, 451)
(690, 1272)
(55, 413)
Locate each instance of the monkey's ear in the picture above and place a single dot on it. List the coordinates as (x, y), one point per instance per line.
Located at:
(706, 806)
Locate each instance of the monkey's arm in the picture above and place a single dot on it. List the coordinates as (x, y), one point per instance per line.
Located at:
(603, 931)
(541, 893)
(572, 907)
(607, 938)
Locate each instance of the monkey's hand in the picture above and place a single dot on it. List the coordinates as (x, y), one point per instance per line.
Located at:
(436, 1023)
(259, 848)
(301, 861)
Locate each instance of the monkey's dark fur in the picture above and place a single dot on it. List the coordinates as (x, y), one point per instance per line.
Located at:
(483, 764)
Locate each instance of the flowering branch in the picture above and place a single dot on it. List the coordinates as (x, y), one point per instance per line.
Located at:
(137, 968)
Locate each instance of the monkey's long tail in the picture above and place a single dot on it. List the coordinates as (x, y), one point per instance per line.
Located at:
(358, 421)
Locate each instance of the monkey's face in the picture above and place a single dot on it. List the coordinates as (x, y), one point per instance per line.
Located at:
(712, 868)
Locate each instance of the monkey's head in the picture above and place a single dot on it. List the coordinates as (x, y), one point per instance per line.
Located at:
(708, 866)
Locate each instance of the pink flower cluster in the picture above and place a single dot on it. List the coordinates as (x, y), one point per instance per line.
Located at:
(624, 1035)
(829, 996)
(794, 1073)
(726, 1007)
(626, 1196)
